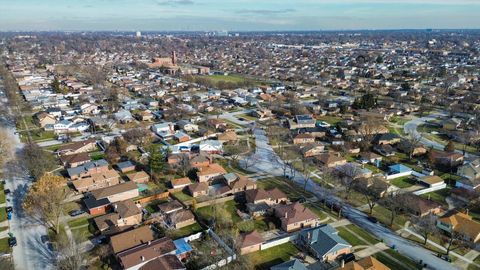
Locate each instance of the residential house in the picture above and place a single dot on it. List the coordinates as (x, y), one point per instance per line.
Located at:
(75, 160)
(415, 149)
(170, 207)
(123, 116)
(367, 263)
(181, 218)
(43, 119)
(180, 182)
(385, 150)
(250, 242)
(433, 181)
(387, 138)
(470, 173)
(313, 149)
(294, 264)
(295, 216)
(116, 193)
(302, 121)
(87, 169)
(228, 137)
(139, 177)
(323, 242)
(135, 258)
(130, 239)
(419, 206)
(331, 160)
(270, 196)
(207, 173)
(217, 124)
(164, 130)
(89, 109)
(303, 139)
(78, 147)
(181, 137)
(200, 160)
(198, 189)
(168, 262)
(211, 147)
(126, 166)
(369, 157)
(126, 214)
(145, 115)
(461, 223)
(442, 158)
(96, 181)
(187, 126)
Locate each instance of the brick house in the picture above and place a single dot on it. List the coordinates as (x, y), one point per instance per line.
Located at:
(295, 216)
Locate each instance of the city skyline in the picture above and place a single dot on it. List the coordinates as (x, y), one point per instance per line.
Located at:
(244, 15)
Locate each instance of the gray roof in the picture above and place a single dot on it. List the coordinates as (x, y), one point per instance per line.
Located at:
(290, 265)
(85, 167)
(125, 164)
(324, 239)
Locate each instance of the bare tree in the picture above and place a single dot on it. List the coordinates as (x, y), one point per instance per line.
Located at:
(395, 204)
(70, 253)
(349, 177)
(372, 193)
(454, 240)
(6, 146)
(425, 226)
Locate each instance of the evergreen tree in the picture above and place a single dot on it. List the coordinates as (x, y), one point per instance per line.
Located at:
(157, 161)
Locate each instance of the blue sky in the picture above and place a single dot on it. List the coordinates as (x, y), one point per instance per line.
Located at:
(237, 14)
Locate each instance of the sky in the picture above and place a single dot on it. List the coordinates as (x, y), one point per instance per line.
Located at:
(236, 15)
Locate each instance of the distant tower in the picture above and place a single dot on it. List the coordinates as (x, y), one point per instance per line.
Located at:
(174, 58)
(138, 34)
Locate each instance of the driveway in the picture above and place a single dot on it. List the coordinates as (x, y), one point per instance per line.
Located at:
(231, 116)
(267, 161)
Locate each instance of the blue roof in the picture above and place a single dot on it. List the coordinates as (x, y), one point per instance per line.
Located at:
(399, 168)
(182, 246)
(290, 265)
(325, 239)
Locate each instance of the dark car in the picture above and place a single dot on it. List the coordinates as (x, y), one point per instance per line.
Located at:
(12, 241)
(9, 209)
(44, 238)
(348, 257)
(75, 213)
(241, 119)
(372, 219)
(7, 191)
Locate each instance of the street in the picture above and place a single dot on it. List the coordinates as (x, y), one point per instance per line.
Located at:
(30, 252)
(267, 161)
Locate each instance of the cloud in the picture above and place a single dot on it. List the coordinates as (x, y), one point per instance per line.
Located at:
(176, 2)
(265, 11)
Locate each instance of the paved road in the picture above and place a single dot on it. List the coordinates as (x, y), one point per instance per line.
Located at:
(30, 252)
(266, 160)
(411, 127)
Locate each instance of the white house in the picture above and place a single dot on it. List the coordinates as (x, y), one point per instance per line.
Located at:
(211, 146)
(165, 130)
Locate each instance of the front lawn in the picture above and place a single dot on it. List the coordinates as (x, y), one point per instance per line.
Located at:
(79, 222)
(403, 182)
(363, 234)
(4, 248)
(267, 258)
(292, 190)
(3, 214)
(2, 194)
(350, 237)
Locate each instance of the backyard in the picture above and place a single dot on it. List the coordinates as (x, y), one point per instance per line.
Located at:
(264, 259)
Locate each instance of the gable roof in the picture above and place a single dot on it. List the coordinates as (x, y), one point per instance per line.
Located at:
(462, 223)
(148, 251)
(295, 212)
(324, 239)
(130, 239)
(109, 191)
(250, 239)
(290, 265)
(367, 263)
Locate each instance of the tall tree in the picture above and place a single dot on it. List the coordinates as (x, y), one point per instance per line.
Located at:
(70, 253)
(157, 161)
(425, 226)
(38, 161)
(45, 199)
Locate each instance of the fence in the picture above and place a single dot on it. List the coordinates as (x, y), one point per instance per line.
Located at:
(159, 196)
(221, 263)
(193, 237)
(398, 175)
(215, 201)
(278, 241)
(430, 189)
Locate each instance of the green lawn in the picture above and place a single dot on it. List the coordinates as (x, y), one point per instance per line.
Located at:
(292, 190)
(407, 264)
(39, 135)
(230, 206)
(186, 231)
(4, 248)
(363, 234)
(97, 155)
(2, 194)
(3, 214)
(3, 228)
(317, 210)
(84, 233)
(332, 120)
(437, 196)
(349, 237)
(266, 258)
(383, 215)
(182, 196)
(83, 221)
(403, 182)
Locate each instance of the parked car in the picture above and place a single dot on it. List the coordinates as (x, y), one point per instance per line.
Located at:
(12, 241)
(44, 238)
(348, 257)
(372, 219)
(75, 213)
(9, 209)
(7, 191)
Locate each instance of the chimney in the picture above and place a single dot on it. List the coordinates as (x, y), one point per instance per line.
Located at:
(115, 206)
(286, 214)
(142, 258)
(342, 264)
(149, 243)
